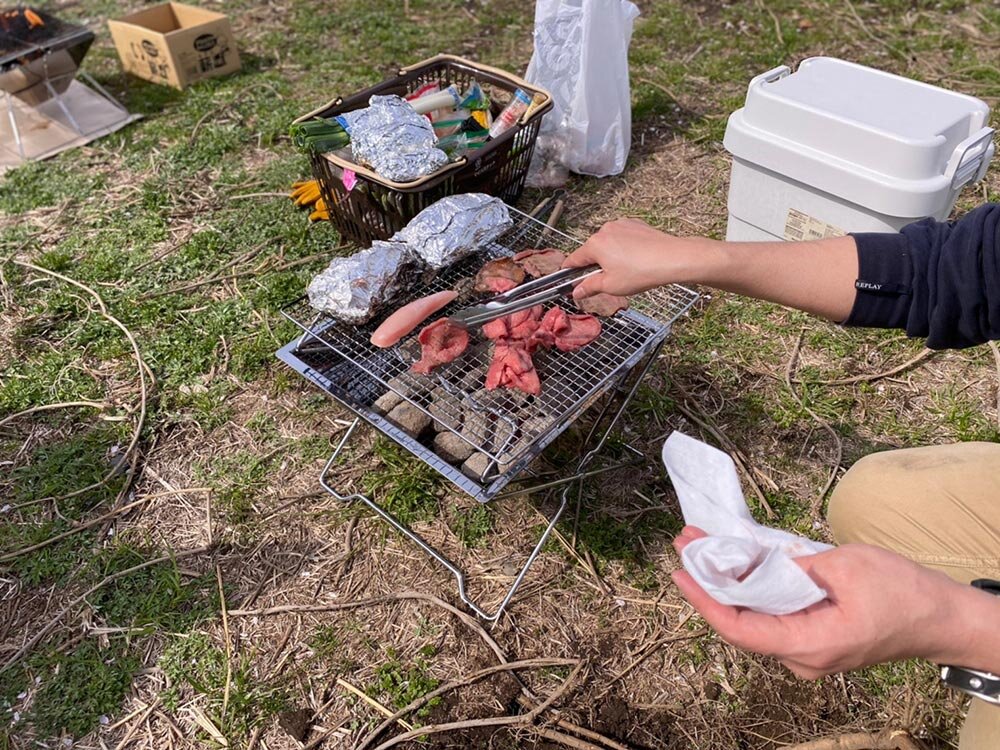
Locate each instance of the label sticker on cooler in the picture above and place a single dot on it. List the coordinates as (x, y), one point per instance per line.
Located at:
(800, 227)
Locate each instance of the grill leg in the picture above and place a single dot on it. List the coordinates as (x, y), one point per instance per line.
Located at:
(434, 553)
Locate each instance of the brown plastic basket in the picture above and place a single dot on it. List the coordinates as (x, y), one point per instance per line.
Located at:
(376, 208)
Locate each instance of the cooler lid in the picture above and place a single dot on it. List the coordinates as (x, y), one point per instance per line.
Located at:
(831, 115)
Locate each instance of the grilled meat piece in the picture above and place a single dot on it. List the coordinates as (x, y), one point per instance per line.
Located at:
(440, 342)
(603, 304)
(538, 263)
(499, 276)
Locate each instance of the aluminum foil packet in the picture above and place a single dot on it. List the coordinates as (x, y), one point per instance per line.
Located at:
(354, 289)
(393, 139)
(454, 227)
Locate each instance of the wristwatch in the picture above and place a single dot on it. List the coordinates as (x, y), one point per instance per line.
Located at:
(982, 685)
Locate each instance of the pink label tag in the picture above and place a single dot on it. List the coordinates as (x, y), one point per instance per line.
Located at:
(350, 179)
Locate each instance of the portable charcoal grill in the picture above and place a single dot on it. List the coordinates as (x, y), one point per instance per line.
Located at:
(39, 54)
(48, 108)
(505, 430)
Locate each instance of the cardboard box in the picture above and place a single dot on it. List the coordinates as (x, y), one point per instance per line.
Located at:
(175, 44)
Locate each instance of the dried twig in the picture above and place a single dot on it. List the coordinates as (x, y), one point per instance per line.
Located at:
(44, 630)
(662, 88)
(75, 530)
(912, 362)
(215, 279)
(527, 698)
(835, 468)
(144, 371)
(259, 195)
(864, 27)
(646, 652)
(52, 407)
(372, 702)
(565, 739)
(774, 18)
(229, 644)
(498, 721)
(453, 684)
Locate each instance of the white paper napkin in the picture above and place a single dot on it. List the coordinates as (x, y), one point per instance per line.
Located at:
(741, 562)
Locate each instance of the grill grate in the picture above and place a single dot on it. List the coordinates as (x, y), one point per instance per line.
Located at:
(506, 428)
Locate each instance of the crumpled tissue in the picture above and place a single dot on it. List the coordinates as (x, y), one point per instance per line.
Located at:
(740, 562)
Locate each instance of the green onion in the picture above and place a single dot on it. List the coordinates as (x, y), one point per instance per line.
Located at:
(319, 135)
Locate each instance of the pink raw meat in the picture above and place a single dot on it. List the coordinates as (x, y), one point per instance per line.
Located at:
(570, 332)
(499, 276)
(512, 367)
(519, 335)
(538, 263)
(440, 342)
(519, 325)
(603, 304)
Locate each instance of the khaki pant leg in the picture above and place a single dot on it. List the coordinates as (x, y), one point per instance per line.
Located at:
(939, 506)
(981, 730)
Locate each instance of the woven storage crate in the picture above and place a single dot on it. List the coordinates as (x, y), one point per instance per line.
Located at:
(376, 208)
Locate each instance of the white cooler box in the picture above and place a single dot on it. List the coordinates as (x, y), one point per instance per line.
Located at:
(837, 147)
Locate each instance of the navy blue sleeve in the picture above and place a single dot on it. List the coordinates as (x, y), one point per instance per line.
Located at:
(936, 280)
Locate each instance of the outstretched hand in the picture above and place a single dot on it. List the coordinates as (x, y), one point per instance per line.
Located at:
(880, 607)
(634, 257)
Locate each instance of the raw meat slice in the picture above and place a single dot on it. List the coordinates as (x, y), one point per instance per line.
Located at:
(497, 329)
(525, 322)
(519, 325)
(499, 276)
(603, 304)
(538, 263)
(570, 332)
(512, 367)
(440, 342)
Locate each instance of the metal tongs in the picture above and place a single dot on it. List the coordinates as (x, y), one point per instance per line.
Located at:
(537, 292)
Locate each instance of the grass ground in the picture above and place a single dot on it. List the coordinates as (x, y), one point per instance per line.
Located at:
(155, 626)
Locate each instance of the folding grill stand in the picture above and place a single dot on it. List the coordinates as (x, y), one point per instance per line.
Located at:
(638, 373)
(57, 97)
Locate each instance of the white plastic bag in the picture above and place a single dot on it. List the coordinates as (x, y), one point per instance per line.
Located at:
(581, 57)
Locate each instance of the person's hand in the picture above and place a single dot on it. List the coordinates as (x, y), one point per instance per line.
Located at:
(880, 607)
(635, 257)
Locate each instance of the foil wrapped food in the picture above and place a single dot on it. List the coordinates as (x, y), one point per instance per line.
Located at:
(393, 139)
(454, 227)
(354, 289)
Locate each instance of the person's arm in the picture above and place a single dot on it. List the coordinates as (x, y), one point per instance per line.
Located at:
(880, 607)
(936, 280)
(817, 277)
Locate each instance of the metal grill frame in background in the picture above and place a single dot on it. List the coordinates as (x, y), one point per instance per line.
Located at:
(340, 360)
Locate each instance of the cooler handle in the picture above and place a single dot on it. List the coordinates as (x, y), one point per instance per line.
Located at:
(774, 74)
(965, 169)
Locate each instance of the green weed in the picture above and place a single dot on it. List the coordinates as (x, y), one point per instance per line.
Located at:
(472, 525)
(78, 689)
(155, 596)
(194, 663)
(399, 684)
(406, 487)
